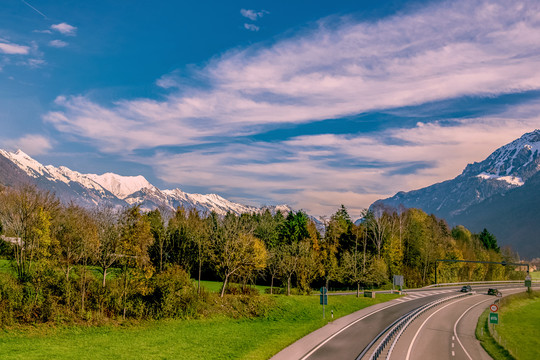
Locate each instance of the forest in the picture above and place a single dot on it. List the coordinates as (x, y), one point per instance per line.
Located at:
(72, 264)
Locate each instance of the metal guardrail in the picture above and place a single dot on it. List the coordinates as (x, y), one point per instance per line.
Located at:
(398, 327)
(478, 283)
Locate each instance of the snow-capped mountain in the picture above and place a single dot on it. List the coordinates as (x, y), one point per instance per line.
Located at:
(482, 194)
(513, 163)
(121, 186)
(110, 188)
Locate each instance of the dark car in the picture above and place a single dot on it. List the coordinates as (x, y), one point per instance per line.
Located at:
(466, 288)
(494, 292)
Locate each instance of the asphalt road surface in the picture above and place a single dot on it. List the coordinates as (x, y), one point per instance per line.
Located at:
(347, 340)
(447, 332)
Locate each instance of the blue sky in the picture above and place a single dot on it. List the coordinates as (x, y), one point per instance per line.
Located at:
(313, 104)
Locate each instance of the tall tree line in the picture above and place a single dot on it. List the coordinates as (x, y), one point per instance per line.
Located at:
(66, 254)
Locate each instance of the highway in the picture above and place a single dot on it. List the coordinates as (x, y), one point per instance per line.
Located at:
(348, 340)
(447, 332)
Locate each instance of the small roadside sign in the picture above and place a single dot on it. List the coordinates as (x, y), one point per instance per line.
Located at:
(494, 308)
(528, 282)
(323, 298)
(494, 318)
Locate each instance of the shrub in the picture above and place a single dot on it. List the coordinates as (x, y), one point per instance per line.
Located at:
(174, 295)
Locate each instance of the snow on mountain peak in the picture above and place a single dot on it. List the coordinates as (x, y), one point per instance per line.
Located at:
(129, 189)
(512, 180)
(25, 162)
(517, 160)
(121, 186)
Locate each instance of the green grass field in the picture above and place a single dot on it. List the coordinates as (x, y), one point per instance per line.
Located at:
(520, 325)
(535, 275)
(496, 351)
(291, 318)
(215, 286)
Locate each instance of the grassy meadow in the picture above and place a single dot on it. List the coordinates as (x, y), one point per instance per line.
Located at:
(520, 325)
(288, 319)
(516, 336)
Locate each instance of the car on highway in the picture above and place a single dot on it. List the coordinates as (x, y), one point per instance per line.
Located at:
(466, 288)
(495, 292)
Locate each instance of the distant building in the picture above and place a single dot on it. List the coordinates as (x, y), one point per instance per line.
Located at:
(12, 240)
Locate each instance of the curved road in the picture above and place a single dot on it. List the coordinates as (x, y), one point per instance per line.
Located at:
(447, 332)
(347, 337)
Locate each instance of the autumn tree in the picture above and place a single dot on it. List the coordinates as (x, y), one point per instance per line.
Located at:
(158, 250)
(77, 241)
(135, 240)
(235, 251)
(109, 236)
(26, 213)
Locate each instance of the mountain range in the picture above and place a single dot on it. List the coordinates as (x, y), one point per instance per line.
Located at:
(111, 189)
(501, 194)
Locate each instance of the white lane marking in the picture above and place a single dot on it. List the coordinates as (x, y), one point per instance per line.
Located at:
(343, 329)
(453, 338)
(452, 344)
(453, 353)
(424, 323)
(455, 324)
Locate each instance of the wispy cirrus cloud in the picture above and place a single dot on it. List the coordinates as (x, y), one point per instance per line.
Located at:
(253, 14)
(65, 29)
(320, 172)
(340, 68)
(32, 144)
(251, 27)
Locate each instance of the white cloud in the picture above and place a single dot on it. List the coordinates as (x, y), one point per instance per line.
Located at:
(58, 43)
(334, 72)
(13, 49)
(251, 27)
(65, 29)
(442, 51)
(317, 173)
(253, 14)
(32, 144)
(34, 63)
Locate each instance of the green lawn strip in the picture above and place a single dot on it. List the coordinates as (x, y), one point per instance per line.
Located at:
(520, 325)
(489, 344)
(215, 286)
(219, 338)
(535, 275)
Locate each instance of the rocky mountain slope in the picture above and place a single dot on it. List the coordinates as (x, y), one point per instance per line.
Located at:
(500, 193)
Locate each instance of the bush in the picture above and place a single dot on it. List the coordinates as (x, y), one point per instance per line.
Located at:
(174, 295)
(11, 299)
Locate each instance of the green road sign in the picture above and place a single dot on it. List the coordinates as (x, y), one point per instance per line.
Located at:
(324, 299)
(494, 318)
(528, 283)
(323, 290)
